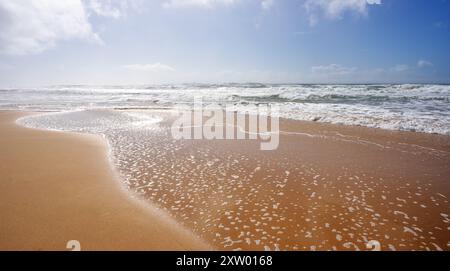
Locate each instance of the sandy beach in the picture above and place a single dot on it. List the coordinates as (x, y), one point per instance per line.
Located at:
(225, 125)
(56, 187)
(326, 187)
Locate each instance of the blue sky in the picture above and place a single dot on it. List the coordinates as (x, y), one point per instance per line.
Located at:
(45, 42)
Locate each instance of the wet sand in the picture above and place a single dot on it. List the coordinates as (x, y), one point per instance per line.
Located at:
(56, 187)
(327, 187)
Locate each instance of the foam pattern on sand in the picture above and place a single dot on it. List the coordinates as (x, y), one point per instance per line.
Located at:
(240, 199)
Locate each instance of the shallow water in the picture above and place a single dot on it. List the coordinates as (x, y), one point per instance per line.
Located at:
(300, 197)
(422, 108)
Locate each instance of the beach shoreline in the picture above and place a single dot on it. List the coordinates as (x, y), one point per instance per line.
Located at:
(327, 187)
(58, 186)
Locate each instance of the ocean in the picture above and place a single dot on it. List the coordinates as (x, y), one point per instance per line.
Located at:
(407, 107)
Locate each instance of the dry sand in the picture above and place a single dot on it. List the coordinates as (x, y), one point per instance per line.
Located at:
(56, 187)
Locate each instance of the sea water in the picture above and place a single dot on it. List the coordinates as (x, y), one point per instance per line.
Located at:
(419, 108)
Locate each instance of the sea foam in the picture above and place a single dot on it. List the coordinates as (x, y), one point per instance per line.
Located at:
(420, 108)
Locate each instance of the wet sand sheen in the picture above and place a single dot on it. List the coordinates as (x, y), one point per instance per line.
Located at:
(326, 187)
(55, 187)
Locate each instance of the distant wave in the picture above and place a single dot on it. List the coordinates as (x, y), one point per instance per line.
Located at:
(412, 107)
(336, 98)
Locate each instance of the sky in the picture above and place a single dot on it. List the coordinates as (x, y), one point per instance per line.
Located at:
(113, 42)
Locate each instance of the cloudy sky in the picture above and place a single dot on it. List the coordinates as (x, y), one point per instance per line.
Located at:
(47, 42)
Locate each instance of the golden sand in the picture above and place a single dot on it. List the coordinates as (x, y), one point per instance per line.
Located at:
(327, 187)
(56, 187)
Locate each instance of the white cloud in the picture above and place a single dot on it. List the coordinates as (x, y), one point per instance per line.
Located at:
(424, 63)
(196, 3)
(155, 67)
(104, 8)
(336, 73)
(400, 68)
(267, 4)
(112, 8)
(334, 9)
(332, 69)
(32, 26)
